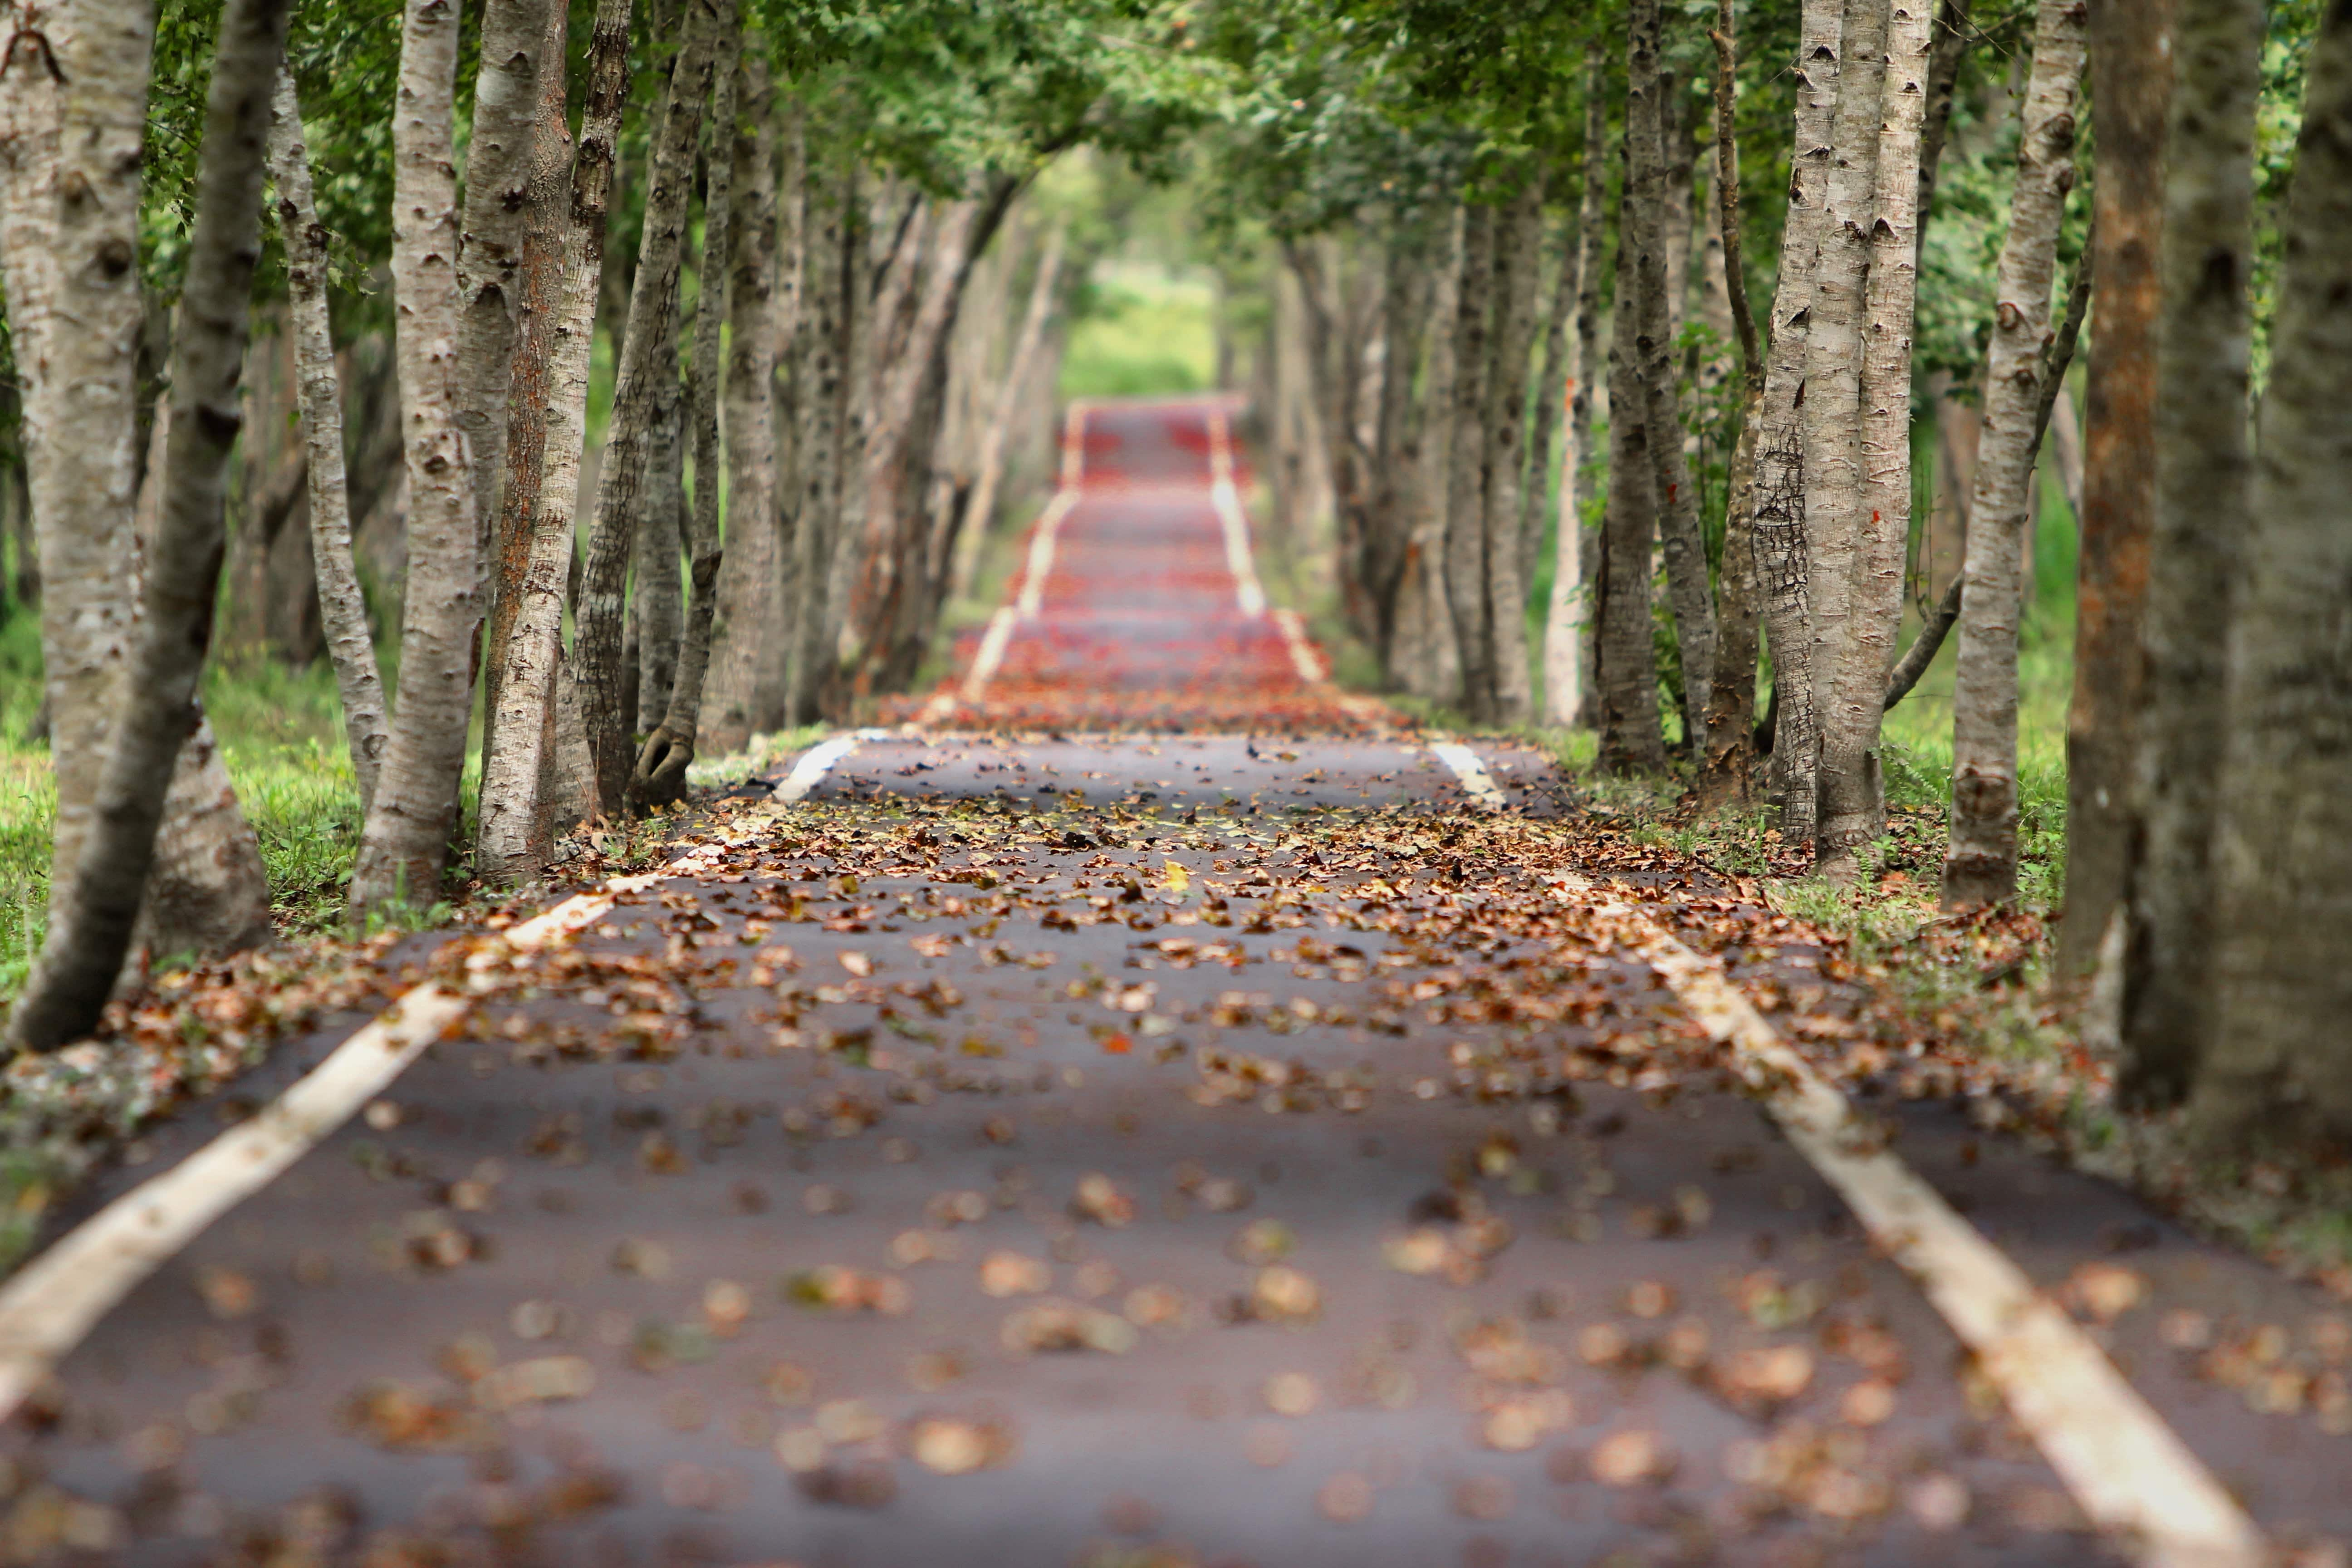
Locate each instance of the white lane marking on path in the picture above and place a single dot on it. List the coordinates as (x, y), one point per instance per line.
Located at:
(1247, 591)
(55, 1301)
(2131, 1474)
(1303, 658)
(1042, 537)
(1472, 774)
(820, 760)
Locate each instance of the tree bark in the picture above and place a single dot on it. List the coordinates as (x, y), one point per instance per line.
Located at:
(2131, 83)
(749, 615)
(499, 166)
(1466, 475)
(1782, 557)
(2275, 1077)
(1731, 709)
(1834, 515)
(1518, 252)
(76, 97)
(820, 374)
(1675, 499)
(1568, 615)
(406, 838)
(669, 749)
(1854, 806)
(1954, 33)
(2203, 500)
(516, 813)
(1980, 866)
(1551, 389)
(656, 598)
(536, 285)
(350, 642)
(981, 510)
(79, 961)
(1631, 739)
(638, 392)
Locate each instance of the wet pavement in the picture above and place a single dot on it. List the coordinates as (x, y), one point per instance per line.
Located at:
(1050, 1147)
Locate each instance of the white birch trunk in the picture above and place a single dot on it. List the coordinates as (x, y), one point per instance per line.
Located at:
(1567, 615)
(407, 840)
(1853, 795)
(350, 644)
(1833, 463)
(1980, 866)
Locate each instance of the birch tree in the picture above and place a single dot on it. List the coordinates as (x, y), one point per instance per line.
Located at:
(1784, 562)
(2278, 1073)
(351, 643)
(1518, 251)
(2203, 499)
(1853, 791)
(622, 470)
(513, 835)
(1465, 479)
(1833, 339)
(2131, 85)
(821, 370)
(405, 840)
(158, 709)
(988, 476)
(669, 747)
(1631, 739)
(1731, 713)
(1981, 864)
(749, 577)
(1653, 291)
(1568, 611)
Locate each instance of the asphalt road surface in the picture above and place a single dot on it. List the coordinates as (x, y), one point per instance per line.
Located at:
(1150, 1115)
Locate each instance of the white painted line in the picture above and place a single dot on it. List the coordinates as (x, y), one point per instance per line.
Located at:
(1040, 563)
(55, 1301)
(1471, 771)
(1248, 593)
(1303, 658)
(1073, 445)
(60, 1297)
(991, 654)
(818, 761)
(2131, 1474)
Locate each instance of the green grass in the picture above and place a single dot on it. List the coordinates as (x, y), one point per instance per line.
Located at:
(1146, 332)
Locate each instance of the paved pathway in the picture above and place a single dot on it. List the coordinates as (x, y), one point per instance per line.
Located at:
(1224, 1142)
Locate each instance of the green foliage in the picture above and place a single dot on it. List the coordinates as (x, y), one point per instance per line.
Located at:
(1145, 331)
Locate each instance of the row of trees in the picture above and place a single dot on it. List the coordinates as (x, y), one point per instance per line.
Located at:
(804, 417)
(1470, 226)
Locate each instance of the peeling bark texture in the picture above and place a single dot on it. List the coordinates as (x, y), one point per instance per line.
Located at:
(2276, 1074)
(750, 611)
(407, 840)
(2131, 84)
(1724, 776)
(1632, 738)
(499, 161)
(1954, 33)
(2203, 496)
(1980, 866)
(791, 257)
(1853, 804)
(1518, 251)
(1784, 561)
(1431, 665)
(537, 775)
(1567, 618)
(1834, 517)
(158, 702)
(349, 643)
(537, 285)
(669, 749)
(656, 598)
(980, 510)
(76, 106)
(1654, 284)
(649, 365)
(1466, 478)
(819, 372)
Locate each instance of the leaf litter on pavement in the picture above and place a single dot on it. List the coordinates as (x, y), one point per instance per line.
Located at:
(1276, 963)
